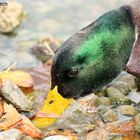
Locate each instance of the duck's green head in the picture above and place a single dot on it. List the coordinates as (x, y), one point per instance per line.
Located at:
(94, 56)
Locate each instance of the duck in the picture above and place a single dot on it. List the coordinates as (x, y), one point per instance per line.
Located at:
(93, 57)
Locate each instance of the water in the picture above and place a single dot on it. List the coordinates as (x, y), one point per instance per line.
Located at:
(59, 19)
(62, 18)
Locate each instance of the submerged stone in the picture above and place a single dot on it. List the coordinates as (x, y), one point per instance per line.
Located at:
(127, 110)
(116, 97)
(110, 116)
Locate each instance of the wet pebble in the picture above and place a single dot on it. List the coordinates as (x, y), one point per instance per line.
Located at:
(127, 110)
(57, 137)
(110, 116)
(81, 116)
(104, 101)
(116, 97)
(122, 86)
(102, 109)
(101, 93)
(10, 16)
(11, 134)
(137, 126)
(95, 100)
(131, 80)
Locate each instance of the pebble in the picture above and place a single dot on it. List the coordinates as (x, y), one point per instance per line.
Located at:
(116, 97)
(122, 86)
(15, 96)
(11, 16)
(127, 110)
(11, 134)
(81, 116)
(137, 126)
(131, 80)
(110, 116)
(104, 101)
(57, 137)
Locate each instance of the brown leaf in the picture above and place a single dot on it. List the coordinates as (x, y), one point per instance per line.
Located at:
(27, 127)
(12, 119)
(1, 107)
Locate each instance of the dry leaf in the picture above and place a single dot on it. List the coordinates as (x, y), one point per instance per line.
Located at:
(54, 104)
(20, 78)
(1, 107)
(27, 127)
(12, 119)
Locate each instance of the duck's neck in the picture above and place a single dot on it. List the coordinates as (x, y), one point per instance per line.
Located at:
(133, 65)
(135, 7)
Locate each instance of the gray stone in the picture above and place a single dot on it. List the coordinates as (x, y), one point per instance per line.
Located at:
(15, 96)
(11, 134)
(81, 116)
(134, 96)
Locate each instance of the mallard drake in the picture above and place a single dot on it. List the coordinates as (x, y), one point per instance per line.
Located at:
(93, 57)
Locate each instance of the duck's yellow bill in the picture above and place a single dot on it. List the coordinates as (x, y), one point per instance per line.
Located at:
(54, 104)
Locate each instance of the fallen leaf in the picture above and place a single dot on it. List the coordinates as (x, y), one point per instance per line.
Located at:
(12, 119)
(54, 104)
(20, 78)
(1, 107)
(27, 127)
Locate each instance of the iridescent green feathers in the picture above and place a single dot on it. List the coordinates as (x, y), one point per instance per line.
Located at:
(99, 52)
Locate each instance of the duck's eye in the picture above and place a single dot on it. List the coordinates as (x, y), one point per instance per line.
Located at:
(73, 72)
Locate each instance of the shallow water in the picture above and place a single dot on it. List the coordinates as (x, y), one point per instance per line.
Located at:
(59, 19)
(62, 18)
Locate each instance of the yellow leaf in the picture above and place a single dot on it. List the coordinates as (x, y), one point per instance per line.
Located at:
(20, 78)
(54, 104)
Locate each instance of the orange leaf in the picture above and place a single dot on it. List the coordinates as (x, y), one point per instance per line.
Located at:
(27, 127)
(1, 107)
(12, 119)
